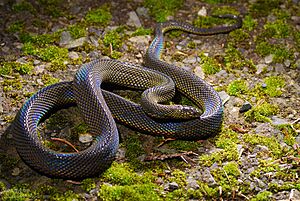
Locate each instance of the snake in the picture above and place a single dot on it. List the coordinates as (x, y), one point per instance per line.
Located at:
(101, 109)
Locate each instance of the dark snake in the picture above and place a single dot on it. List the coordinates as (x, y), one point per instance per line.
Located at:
(100, 107)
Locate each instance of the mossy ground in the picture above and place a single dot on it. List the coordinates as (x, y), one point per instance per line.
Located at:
(268, 29)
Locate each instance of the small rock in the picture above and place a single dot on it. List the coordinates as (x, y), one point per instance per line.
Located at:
(190, 60)
(85, 138)
(297, 64)
(222, 73)
(199, 72)
(294, 195)
(245, 107)
(1, 106)
(94, 55)
(208, 178)
(65, 38)
(36, 62)
(263, 85)
(202, 12)
(73, 55)
(94, 41)
(278, 121)
(140, 39)
(142, 11)
(224, 97)
(268, 59)
(16, 171)
(121, 153)
(287, 63)
(76, 43)
(279, 68)
(173, 186)
(260, 68)
(39, 69)
(133, 20)
(192, 183)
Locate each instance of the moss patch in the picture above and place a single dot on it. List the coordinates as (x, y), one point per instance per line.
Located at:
(237, 87)
(162, 9)
(274, 84)
(261, 112)
(100, 16)
(209, 65)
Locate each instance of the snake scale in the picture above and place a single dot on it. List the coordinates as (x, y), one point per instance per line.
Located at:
(100, 107)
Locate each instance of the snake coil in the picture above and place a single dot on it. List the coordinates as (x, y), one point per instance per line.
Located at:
(99, 108)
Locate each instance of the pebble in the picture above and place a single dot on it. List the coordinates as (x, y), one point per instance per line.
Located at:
(65, 38)
(133, 20)
(173, 186)
(140, 39)
(263, 85)
(278, 121)
(287, 63)
(199, 72)
(279, 68)
(1, 106)
(207, 177)
(73, 55)
(190, 60)
(94, 41)
(222, 73)
(142, 11)
(192, 183)
(268, 59)
(85, 138)
(39, 68)
(16, 171)
(202, 12)
(245, 107)
(260, 68)
(224, 97)
(36, 62)
(76, 43)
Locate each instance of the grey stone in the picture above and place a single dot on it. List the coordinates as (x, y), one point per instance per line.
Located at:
(190, 60)
(224, 96)
(192, 183)
(65, 38)
(222, 73)
(133, 20)
(287, 63)
(94, 41)
(142, 11)
(268, 59)
(278, 121)
(73, 55)
(140, 39)
(1, 106)
(202, 12)
(260, 68)
(39, 69)
(245, 107)
(199, 72)
(85, 138)
(76, 43)
(208, 178)
(173, 186)
(279, 68)
(36, 62)
(263, 85)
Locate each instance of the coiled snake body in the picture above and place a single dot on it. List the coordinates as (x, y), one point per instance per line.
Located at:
(98, 108)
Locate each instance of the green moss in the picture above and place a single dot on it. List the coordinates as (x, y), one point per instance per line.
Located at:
(15, 27)
(52, 7)
(7, 68)
(232, 168)
(249, 23)
(77, 31)
(270, 142)
(263, 8)
(81, 128)
(162, 9)
(210, 21)
(184, 145)
(100, 16)
(17, 193)
(51, 53)
(262, 196)
(141, 31)
(289, 133)
(237, 87)
(179, 177)
(274, 85)
(113, 38)
(134, 149)
(209, 65)
(24, 68)
(88, 184)
(41, 40)
(277, 29)
(223, 10)
(280, 53)
(23, 6)
(128, 193)
(49, 80)
(12, 84)
(261, 112)
(235, 60)
(219, 1)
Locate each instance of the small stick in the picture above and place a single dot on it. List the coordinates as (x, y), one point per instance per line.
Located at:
(65, 142)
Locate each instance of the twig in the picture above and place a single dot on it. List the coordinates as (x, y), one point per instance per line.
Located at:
(165, 141)
(65, 142)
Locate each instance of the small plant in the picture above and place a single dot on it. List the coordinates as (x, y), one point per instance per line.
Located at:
(274, 85)
(209, 65)
(100, 16)
(237, 87)
(261, 112)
